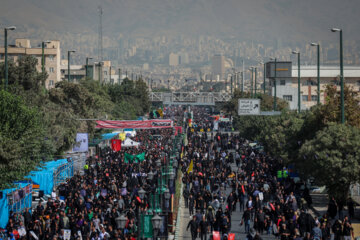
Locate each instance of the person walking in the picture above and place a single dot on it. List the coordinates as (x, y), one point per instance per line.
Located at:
(203, 228)
(193, 228)
(246, 220)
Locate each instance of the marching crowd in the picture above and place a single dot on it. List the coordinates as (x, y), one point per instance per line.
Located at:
(222, 174)
(277, 207)
(88, 205)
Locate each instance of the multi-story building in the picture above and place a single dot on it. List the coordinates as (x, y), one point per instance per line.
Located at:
(173, 59)
(96, 71)
(52, 56)
(287, 88)
(218, 66)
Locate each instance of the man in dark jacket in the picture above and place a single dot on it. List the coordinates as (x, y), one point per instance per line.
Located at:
(193, 228)
(246, 219)
(203, 228)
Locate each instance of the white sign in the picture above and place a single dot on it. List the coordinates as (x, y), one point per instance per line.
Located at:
(67, 234)
(249, 107)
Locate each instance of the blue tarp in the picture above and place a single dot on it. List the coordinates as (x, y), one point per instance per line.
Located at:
(5, 207)
(45, 175)
(107, 136)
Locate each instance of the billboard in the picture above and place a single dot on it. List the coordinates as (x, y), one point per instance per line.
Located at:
(283, 69)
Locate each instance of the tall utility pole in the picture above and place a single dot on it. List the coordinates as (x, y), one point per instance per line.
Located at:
(264, 78)
(69, 59)
(110, 75)
(119, 82)
(299, 93)
(317, 45)
(242, 77)
(275, 61)
(100, 39)
(255, 81)
(6, 54)
(242, 83)
(43, 56)
(341, 74)
(252, 82)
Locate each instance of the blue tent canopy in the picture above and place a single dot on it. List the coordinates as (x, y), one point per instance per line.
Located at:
(45, 175)
(107, 136)
(5, 206)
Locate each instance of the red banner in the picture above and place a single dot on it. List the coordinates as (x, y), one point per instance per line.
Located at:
(145, 124)
(116, 145)
(216, 235)
(231, 236)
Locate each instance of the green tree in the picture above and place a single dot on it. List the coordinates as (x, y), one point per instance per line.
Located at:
(24, 76)
(333, 159)
(330, 111)
(21, 138)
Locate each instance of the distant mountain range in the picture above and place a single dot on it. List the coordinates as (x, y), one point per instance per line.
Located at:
(258, 20)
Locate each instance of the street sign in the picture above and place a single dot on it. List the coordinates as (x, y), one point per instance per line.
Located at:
(248, 106)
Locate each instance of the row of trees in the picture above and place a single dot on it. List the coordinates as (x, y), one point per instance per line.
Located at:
(314, 141)
(38, 124)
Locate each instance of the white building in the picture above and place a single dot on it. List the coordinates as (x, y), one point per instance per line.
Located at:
(287, 88)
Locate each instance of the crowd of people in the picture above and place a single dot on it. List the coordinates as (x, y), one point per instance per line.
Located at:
(224, 174)
(89, 204)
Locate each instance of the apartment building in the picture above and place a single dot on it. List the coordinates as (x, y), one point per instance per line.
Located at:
(287, 88)
(103, 71)
(52, 56)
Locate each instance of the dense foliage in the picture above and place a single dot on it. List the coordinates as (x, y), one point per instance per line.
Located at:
(47, 120)
(21, 138)
(314, 141)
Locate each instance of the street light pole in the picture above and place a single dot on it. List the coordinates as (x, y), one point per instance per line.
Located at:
(341, 75)
(43, 55)
(274, 83)
(69, 52)
(6, 55)
(264, 78)
(299, 97)
(119, 76)
(318, 70)
(255, 81)
(86, 67)
(251, 82)
(110, 75)
(242, 83)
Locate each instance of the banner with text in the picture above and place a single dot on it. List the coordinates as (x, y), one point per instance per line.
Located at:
(146, 124)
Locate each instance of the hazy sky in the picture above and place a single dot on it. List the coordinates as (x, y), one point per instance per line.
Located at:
(260, 19)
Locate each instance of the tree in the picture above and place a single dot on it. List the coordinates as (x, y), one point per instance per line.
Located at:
(21, 138)
(131, 99)
(330, 111)
(333, 159)
(24, 76)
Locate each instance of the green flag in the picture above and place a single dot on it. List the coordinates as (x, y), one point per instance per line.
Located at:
(134, 158)
(128, 158)
(140, 157)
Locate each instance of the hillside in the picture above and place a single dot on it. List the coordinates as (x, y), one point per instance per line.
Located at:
(260, 20)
